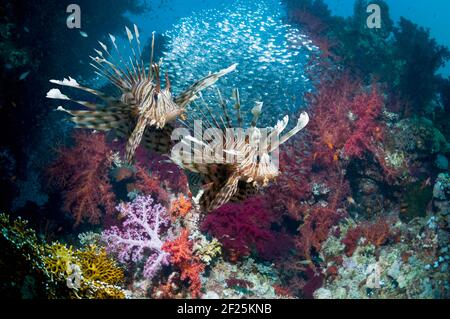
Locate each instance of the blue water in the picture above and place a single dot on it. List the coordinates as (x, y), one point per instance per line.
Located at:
(208, 36)
(430, 14)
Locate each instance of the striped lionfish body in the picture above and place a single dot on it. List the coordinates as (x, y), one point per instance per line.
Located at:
(143, 111)
(222, 181)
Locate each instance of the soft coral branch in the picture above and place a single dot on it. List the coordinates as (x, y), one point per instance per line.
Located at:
(81, 172)
(181, 255)
(139, 238)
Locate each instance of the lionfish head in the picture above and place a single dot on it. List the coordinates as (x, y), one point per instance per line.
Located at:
(158, 103)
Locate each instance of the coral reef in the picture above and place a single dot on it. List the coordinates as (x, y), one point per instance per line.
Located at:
(376, 234)
(360, 209)
(55, 270)
(402, 269)
(244, 279)
(20, 261)
(88, 272)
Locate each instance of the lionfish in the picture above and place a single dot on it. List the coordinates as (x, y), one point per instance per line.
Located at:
(223, 181)
(143, 110)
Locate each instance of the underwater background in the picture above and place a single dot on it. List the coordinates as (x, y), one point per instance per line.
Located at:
(359, 209)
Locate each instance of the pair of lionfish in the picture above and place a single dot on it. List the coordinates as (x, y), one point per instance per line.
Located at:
(144, 112)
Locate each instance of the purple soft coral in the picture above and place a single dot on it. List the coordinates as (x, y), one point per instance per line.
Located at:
(139, 239)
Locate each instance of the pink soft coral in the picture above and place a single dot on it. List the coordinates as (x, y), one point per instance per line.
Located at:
(139, 238)
(81, 172)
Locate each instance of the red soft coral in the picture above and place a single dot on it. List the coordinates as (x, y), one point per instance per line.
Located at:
(344, 120)
(81, 173)
(172, 177)
(377, 234)
(149, 184)
(318, 219)
(190, 266)
(245, 226)
(344, 125)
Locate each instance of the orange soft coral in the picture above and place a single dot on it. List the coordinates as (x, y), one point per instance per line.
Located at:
(180, 207)
(182, 257)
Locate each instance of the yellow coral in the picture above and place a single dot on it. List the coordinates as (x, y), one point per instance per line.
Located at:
(99, 273)
(97, 266)
(207, 250)
(87, 273)
(100, 290)
(58, 260)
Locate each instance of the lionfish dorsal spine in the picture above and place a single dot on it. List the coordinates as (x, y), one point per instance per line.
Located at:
(223, 104)
(256, 111)
(237, 106)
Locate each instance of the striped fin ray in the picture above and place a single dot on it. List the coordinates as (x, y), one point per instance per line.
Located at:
(138, 63)
(189, 94)
(101, 120)
(70, 82)
(237, 106)
(256, 111)
(302, 121)
(211, 115)
(57, 95)
(158, 140)
(218, 193)
(244, 191)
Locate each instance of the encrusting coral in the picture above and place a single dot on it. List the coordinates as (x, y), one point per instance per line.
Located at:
(62, 271)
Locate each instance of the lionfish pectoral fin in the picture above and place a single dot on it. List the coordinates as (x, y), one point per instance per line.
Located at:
(70, 82)
(185, 97)
(96, 120)
(135, 138)
(244, 191)
(217, 195)
(159, 140)
(302, 121)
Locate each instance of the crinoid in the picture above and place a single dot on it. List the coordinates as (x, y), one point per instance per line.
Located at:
(143, 110)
